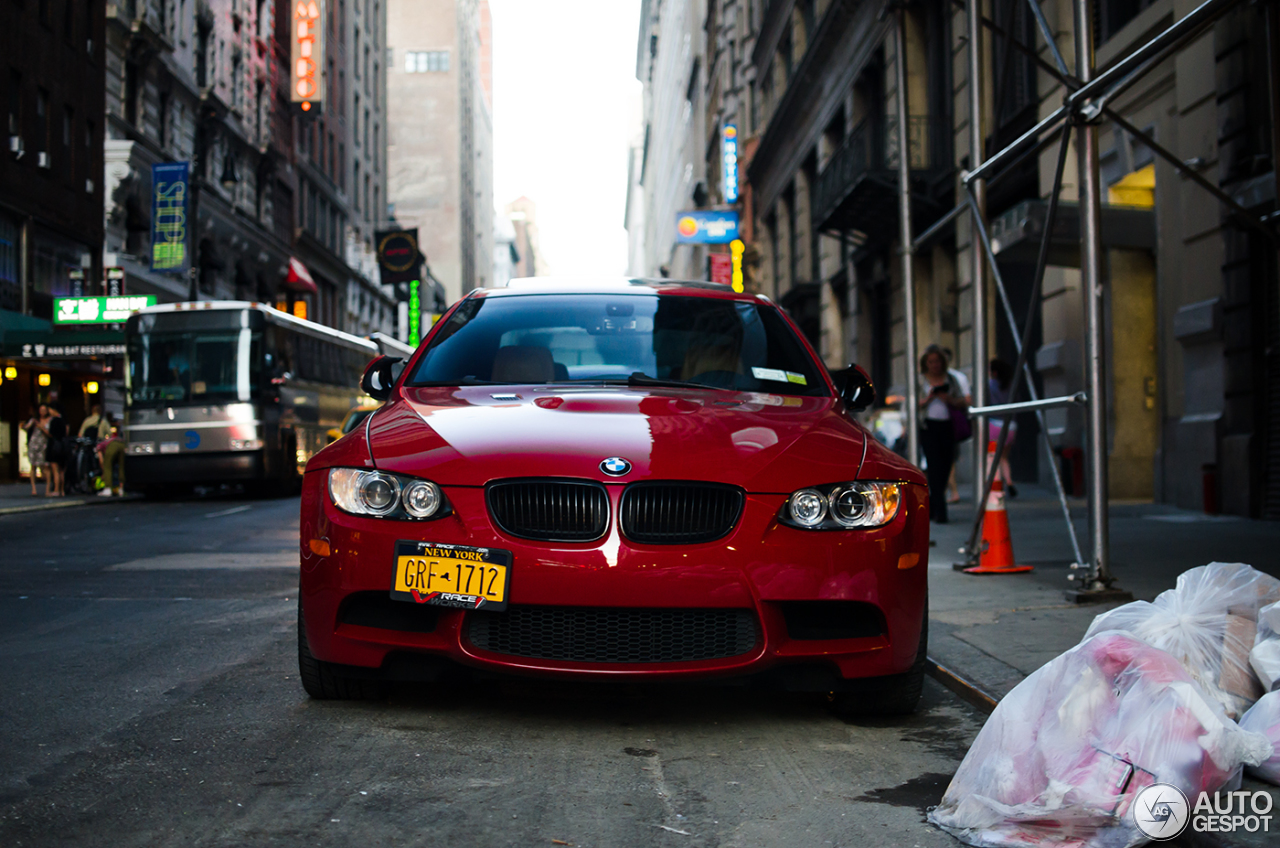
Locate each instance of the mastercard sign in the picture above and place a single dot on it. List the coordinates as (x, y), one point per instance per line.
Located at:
(700, 227)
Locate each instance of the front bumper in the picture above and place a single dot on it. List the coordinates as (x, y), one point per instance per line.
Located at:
(762, 566)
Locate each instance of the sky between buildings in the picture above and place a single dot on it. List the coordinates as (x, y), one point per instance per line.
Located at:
(566, 108)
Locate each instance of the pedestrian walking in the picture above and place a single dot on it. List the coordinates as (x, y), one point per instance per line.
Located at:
(943, 418)
(37, 430)
(110, 452)
(998, 391)
(57, 453)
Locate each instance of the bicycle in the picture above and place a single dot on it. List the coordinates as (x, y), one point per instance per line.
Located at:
(83, 469)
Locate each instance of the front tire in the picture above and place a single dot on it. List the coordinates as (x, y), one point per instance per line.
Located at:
(323, 684)
(897, 695)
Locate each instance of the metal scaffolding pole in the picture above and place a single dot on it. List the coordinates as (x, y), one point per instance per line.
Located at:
(904, 224)
(978, 190)
(1100, 579)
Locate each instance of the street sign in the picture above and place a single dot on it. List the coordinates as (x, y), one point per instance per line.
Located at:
(99, 310)
(706, 227)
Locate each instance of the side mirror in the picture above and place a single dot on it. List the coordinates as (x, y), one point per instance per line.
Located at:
(855, 388)
(379, 377)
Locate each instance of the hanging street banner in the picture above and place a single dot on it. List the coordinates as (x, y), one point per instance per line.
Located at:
(99, 310)
(706, 227)
(729, 151)
(169, 217)
(399, 259)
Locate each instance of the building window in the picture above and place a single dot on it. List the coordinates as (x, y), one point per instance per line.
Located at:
(1114, 14)
(15, 102)
(355, 183)
(355, 112)
(42, 119)
(342, 165)
(426, 62)
(131, 86)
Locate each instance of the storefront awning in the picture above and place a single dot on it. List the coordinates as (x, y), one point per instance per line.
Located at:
(299, 278)
(62, 344)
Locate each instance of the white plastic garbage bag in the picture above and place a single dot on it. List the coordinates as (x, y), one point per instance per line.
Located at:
(1209, 622)
(1265, 656)
(1264, 717)
(1064, 754)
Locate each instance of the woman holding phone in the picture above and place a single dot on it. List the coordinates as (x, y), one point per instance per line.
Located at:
(939, 394)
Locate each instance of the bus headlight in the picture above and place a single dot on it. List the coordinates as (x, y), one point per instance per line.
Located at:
(384, 495)
(246, 444)
(142, 447)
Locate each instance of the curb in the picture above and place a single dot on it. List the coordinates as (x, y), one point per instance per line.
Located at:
(90, 501)
(968, 691)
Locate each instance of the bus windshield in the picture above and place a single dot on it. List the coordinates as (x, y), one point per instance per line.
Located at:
(198, 366)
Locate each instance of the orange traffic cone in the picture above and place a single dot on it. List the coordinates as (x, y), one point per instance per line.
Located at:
(997, 546)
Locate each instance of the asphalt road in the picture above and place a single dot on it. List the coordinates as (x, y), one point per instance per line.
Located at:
(151, 698)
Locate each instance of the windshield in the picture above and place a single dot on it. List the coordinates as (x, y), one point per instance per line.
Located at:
(534, 338)
(194, 367)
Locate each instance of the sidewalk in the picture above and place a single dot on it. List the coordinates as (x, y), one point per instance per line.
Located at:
(16, 498)
(987, 633)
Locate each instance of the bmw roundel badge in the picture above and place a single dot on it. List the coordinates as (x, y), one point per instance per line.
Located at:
(615, 466)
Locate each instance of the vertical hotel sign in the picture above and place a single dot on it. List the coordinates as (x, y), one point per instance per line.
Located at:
(305, 83)
(730, 151)
(169, 217)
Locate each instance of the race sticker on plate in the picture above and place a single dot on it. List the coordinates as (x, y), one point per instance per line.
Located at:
(451, 575)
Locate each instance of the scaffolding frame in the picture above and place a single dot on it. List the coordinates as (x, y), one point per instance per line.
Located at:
(1084, 108)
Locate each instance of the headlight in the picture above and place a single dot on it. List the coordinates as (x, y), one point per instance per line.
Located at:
(385, 495)
(842, 506)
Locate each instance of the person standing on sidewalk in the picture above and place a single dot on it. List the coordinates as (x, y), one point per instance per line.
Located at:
(111, 451)
(939, 394)
(57, 452)
(37, 429)
(998, 393)
(953, 487)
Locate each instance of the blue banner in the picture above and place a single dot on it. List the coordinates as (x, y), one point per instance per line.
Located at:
(706, 227)
(169, 185)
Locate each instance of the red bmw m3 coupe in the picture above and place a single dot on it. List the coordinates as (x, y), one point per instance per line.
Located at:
(633, 480)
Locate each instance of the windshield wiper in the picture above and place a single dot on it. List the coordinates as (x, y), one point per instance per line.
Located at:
(639, 378)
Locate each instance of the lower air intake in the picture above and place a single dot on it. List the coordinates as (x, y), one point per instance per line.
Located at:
(610, 635)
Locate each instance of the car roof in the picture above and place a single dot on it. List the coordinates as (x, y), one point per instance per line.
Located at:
(618, 285)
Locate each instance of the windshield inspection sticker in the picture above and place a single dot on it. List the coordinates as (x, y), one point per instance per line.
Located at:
(793, 377)
(769, 374)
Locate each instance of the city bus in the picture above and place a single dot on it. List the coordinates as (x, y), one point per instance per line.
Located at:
(235, 392)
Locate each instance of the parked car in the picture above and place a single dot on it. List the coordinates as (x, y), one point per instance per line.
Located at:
(640, 480)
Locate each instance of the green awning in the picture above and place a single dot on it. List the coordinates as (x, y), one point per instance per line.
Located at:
(24, 337)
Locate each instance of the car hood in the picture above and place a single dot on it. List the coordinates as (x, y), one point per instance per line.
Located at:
(473, 435)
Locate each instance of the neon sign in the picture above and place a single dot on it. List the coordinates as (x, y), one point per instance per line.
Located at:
(730, 154)
(305, 83)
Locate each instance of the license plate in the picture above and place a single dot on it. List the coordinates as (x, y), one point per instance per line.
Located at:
(451, 575)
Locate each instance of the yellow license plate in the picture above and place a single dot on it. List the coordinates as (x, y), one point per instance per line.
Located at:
(451, 575)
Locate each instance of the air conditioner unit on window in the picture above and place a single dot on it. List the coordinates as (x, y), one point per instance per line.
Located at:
(43, 160)
(15, 146)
